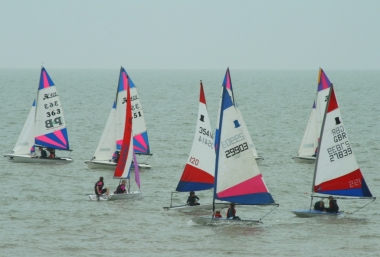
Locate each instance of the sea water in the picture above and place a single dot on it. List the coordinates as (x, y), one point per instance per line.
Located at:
(45, 209)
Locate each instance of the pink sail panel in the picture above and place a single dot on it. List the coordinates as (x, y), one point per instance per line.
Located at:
(251, 186)
(142, 145)
(323, 81)
(45, 80)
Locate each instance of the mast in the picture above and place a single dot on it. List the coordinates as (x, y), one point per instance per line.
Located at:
(217, 151)
(320, 139)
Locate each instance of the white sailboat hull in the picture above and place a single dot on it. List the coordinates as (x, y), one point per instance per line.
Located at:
(20, 158)
(304, 159)
(259, 159)
(314, 213)
(114, 197)
(208, 220)
(204, 207)
(111, 165)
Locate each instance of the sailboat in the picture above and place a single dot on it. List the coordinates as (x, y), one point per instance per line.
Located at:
(237, 175)
(127, 154)
(336, 171)
(308, 147)
(198, 173)
(228, 84)
(45, 127)
(112, 137)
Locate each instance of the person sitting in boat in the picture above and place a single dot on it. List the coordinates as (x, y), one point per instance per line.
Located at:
(192, 199)
(121, 188)
(333, 206)
(319, 206)
(99, 190)
(43, 152)
(51, 152)
(115, 156)
(218, 215)
(231, 212)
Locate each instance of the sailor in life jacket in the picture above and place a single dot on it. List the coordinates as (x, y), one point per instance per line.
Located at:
(121, 188)
(231, 212)
(217, 215)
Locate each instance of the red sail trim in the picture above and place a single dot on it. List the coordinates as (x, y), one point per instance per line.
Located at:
(202, 97)
(333, 103)
(124, 152)
(352, 180)
(193, 174)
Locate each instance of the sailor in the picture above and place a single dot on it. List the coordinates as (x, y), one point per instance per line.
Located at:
(319, 206)
(99, 190)
(231, 212)
(121, 188)
(192, 199)
(43, 152)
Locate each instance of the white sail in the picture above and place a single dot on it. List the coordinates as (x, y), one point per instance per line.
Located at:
(107, 144)
(26, 139)
(310, 137)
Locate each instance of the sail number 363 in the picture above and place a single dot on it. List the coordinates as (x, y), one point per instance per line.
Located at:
(236, 150)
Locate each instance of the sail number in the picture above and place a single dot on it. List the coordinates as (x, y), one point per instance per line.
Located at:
(136, 115)
(53, 113)
(355, 183)
(51, 104)
(206, 141)
(205, 132)
(194, 161)
(236, 150)
(339, 151)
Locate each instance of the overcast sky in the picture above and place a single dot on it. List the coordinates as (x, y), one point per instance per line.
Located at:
(191, 34)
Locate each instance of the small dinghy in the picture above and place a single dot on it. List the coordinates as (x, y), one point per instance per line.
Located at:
(237, 175)
(45, 127)
(123, 167)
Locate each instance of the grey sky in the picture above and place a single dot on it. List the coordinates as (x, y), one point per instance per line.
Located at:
(340, 34)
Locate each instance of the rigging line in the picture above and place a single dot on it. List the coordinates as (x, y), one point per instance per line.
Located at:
(362, 206)
(268, 212)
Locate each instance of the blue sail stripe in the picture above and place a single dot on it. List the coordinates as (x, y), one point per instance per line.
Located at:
(258, 198)
(193, 186)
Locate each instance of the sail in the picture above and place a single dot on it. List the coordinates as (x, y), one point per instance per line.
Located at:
(336, 170)
(121, 99)
(140, 133)
(228, 84)
(126, 153)
(106, 146)
(322, 94)
(50, 125)
(310, 137)
(199, 170)
(137, 171)
(26, 139)
(237, 176)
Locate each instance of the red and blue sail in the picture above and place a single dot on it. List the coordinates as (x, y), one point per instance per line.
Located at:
(197, 174)
(337, 173)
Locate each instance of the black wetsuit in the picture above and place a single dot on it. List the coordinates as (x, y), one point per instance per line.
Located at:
(333, 206)
(317, 206)
(191, 200)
